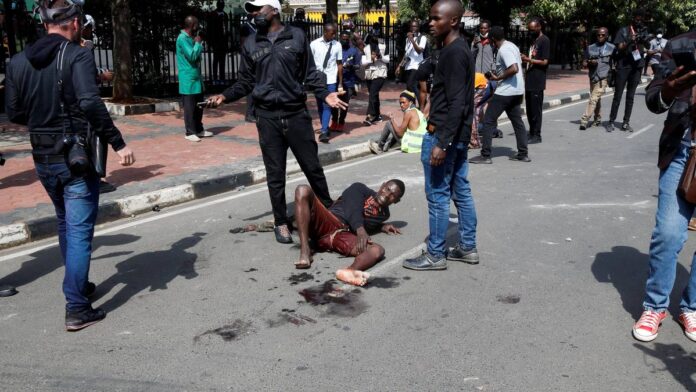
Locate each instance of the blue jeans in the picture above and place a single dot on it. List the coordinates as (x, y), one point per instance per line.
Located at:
(442, 183)
(76, 200)
(668, 239)
(325, 110)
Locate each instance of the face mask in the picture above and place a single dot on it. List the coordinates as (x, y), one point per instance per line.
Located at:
(345, 44)
(408, 107)
(88, 44)
(261, 23)
(532, 34)
(659, 36)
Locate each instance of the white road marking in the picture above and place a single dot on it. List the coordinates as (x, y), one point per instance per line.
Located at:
(645, 128)
(639, 204)
(634, 165)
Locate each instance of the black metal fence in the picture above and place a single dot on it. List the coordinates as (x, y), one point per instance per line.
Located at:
(154, 34)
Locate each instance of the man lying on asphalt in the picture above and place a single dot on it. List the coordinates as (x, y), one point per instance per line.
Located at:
(343, 228)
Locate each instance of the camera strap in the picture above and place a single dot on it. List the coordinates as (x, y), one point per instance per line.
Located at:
(327, 57)
(59, 68)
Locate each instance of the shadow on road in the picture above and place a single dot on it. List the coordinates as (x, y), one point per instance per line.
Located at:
(151, 270)
(48, 260)
(677, 362)
(627, 269)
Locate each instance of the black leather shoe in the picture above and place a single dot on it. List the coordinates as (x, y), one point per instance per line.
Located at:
(626, 127)
(105, 187)
(458, 253)
(520, 158)
(75, 321)
(583, 126)
(481, 160)
(324, 138)
(497, 134)
(7, 291)
(90, 289)
(282, 234)
(609, 127)
(426, 262)
(534, 139)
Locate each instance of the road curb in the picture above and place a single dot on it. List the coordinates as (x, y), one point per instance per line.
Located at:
(44, 227)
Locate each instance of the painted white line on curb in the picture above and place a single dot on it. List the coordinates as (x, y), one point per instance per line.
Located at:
(639, 204)
(645, 128)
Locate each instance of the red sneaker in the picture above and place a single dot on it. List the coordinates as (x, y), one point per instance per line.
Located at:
(688, 321)
(333, 126)
(645, 329)
(340, 127)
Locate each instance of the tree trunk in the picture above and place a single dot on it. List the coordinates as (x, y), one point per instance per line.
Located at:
(332, 11)
(123, 62)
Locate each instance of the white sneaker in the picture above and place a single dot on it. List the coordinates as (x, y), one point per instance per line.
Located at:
(192, 138)
(205, 134)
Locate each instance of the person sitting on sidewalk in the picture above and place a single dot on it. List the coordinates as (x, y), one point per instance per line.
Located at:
(409, 134)
(343, 228)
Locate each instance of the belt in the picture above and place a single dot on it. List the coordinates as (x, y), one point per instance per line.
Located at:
(430, 128)
(49, 158)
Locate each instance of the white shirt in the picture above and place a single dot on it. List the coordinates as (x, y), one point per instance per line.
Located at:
(415, 58)
(319, 49)
(509, 54)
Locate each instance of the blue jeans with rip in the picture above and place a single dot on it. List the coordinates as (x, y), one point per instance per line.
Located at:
(668, 238)
(325, 110)
(444, 183)
(76, 200)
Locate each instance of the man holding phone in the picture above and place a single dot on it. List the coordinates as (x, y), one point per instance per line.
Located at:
(189, 50)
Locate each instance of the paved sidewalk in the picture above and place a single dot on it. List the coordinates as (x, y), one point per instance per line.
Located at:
(171, 170)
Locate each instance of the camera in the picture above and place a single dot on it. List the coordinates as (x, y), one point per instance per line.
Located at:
(201, 33)
(74, 148)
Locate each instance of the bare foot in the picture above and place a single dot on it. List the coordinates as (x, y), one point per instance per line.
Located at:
(354, 277)
(303, 263)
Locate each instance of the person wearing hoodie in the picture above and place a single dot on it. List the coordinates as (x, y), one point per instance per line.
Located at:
(57, 66)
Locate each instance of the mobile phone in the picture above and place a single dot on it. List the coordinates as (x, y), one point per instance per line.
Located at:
(202, 104)
(686, 59)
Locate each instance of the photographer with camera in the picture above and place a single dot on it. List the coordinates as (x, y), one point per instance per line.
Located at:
(673, 90)
(598, 60)
(189, 52)
(51, 88)
(630, 42)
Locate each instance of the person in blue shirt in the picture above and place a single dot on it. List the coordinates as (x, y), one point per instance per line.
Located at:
(351, 63)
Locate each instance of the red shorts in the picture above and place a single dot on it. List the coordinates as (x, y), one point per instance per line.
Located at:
(330, 233)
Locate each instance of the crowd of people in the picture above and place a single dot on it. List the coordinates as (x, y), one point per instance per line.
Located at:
(453, 99)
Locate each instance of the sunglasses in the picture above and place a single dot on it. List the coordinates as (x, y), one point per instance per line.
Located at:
(601, 35)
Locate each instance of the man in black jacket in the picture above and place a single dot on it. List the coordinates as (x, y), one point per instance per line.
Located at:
(672, 90)
(345, 226)
(276, 62)
(444, 151)
(58, 119)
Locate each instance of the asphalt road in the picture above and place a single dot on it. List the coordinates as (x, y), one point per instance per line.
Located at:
(191, 306)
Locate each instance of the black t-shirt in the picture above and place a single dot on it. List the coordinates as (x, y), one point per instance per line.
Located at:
(452, 95)
(536, 74)
(354, 210)
(624, 58)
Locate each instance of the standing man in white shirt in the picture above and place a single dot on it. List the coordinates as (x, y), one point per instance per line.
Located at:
(508, 98)
(413, 56)
(328, 58)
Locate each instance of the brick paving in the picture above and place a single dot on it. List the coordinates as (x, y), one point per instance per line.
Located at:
(165, 158)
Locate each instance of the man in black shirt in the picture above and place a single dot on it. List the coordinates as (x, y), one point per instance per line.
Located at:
(277, 65)
(630, 43)
(343, 228)
(444, 151)
(536, 64)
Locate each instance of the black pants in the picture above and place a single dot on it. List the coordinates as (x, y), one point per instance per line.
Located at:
(275, 136)
(535, 103)
(219, 64)
(628, 78)
(412, 82)
(193, 115)
(338, 116)
(511, 105)
(373, 87)
(250, 112)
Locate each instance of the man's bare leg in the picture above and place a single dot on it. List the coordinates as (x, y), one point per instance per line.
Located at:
(355, 274)
(304, 198)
